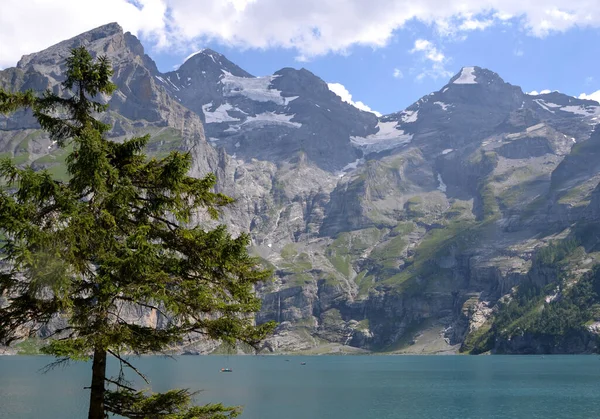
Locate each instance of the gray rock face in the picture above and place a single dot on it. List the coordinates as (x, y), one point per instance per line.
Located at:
(382, 232)
(140, 103)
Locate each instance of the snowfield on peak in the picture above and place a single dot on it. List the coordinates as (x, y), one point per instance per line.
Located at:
(350, 166)
(582, 110)
(467, 76)
(269, 118)
(194, 53)
(254, 88)
(218, 115)
(409, 116)
(262, 119)
(442, 105)
(386, 138)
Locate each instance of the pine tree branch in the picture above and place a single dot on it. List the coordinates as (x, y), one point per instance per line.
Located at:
(129, 365)
(108, 380)
(156, 217)
(61, 362)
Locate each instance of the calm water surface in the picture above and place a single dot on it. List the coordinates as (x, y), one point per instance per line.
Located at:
(344, 387)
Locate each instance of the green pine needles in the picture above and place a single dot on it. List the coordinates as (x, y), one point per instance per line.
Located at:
(117, 235)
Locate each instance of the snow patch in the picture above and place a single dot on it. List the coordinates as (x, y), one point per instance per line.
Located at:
(409, 116)
(172, 84)
(467, 76)
(194, 53)
(350, 166)
(254, 88)
(161, 79)
(543, 105)
(448, 150)
(218, 115)
(442, 105)
(442, 186)
(582, 110)
(535, 127)
(272, 118)
(288, 99)
(386, 138)
(552, 105)
(445, 90)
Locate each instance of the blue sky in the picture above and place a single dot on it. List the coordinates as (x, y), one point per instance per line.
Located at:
(385, 54)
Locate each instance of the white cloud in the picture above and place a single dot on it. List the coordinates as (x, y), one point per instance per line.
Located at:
(311, 27)
(543, 92)
(430, 51)
(340, 90)
(438, 61)
(28, 26)
(398, 73)
(436, 71)
(475, 24)
(592, 96)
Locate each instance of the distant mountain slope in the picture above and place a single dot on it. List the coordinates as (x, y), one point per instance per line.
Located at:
(269, 118)
(410, 232)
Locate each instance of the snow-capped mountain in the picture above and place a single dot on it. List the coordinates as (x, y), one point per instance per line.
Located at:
(271, 117)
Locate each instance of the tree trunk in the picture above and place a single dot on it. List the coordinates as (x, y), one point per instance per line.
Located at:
(97, 388)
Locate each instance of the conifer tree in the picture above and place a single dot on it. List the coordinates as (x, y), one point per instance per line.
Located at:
(118, 234)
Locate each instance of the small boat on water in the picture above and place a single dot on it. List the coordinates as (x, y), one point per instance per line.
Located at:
(226, 370)
(303, 363)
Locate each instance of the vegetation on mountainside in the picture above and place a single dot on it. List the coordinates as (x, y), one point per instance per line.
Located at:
(550, 313)
(116, 234)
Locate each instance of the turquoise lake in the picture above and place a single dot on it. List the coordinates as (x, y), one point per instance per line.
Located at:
(333, 387)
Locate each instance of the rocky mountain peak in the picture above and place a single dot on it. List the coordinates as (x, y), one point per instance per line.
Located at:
(475, 75)
(207, 63)
(140, 94)
(102, 35)
(301, 82)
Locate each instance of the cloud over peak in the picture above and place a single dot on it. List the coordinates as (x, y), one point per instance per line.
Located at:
(311, 27)
(592, 96)
(340, 90)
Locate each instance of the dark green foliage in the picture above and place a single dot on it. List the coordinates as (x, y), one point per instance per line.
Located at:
(117, 235)
(166, 405)
(554, 253)
(528, 312)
